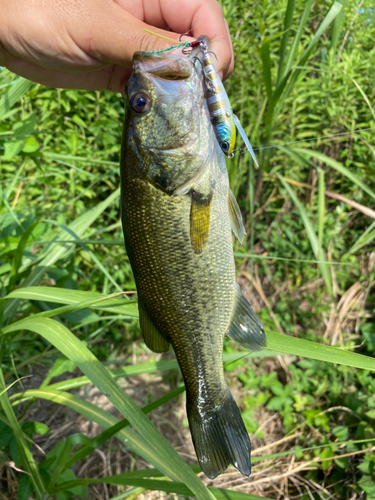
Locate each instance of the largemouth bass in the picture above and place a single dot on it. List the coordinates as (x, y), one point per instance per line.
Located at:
(177, 214)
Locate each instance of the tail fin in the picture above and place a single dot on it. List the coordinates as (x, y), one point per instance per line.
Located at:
(220, 438)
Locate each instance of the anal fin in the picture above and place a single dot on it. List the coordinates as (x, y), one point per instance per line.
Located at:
(235, 217)
(245, 327)
(151, 335)
(199, 220)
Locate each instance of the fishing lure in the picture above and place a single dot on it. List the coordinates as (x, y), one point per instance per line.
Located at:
(222, 117)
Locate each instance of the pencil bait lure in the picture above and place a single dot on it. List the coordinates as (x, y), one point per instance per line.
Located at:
(222, 117)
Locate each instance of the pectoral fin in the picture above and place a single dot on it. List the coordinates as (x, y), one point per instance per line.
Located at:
(152, 337)
(245, 327)
(235, 217)
(199, 220)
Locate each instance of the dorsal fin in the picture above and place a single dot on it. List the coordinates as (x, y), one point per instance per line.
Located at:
(199, 220)
(151, 335)
(245, 327)
(235, 217)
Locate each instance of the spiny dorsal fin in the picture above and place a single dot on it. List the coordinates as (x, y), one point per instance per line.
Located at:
(152, 337)
(199, 220)
(245, 327)
(235, 217)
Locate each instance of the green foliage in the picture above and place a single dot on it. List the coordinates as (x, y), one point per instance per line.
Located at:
(303, 71)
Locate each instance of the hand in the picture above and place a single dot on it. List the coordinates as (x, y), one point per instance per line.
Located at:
(89, 44)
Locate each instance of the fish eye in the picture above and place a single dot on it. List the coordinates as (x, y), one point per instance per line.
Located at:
(224, 146)
(140, 102)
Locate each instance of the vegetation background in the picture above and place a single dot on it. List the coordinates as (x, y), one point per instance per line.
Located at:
(303, 87)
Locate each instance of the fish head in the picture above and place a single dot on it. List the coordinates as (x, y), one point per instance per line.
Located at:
(167, 126)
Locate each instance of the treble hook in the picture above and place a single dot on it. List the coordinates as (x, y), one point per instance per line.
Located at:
(197, 59)
(210, 52)
(184, 34)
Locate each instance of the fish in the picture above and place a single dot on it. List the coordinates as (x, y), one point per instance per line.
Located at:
(178, 213)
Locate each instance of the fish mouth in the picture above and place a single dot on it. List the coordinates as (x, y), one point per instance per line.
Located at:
(174, 85)
(168, 67)
(179, 147)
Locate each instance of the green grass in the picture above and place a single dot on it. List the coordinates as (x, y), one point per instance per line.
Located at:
(308, 261)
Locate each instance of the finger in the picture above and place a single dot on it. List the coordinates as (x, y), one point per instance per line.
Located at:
(148, 11)
(76, 39)
(112, 78)
(231, 65)
(114, 38)
(205, 18)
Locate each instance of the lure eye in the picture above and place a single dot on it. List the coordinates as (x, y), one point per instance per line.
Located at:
(140, 102)
(224, 146)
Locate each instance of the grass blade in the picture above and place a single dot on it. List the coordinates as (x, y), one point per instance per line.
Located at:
(134, 442)
(19, 87)
(90, 161)
(88, 250)
(17, 259)
(330, 17)
(160, 485)
(27, 458)
(297, 39)
(365, 239)
(284, 84)
(57, 250)
(287, 259)
(86, 449)
(313, 350)
(153, 367)
(78, 299)
(284, 41)
(266, 60)
(336, 29)
(318, 251)
(321, 209)
(339, 167)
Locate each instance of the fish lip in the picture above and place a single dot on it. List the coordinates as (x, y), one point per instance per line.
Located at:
(141, 55)
(180, 146)
(171, 67)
